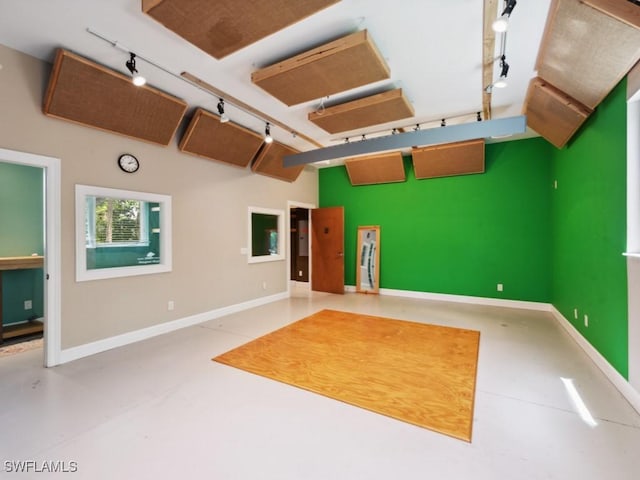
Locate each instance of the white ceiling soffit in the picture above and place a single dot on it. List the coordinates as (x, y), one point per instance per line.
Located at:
(433, 48)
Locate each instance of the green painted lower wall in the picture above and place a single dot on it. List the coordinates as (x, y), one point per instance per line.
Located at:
(589, 230)
(458, 235)
(21, 233)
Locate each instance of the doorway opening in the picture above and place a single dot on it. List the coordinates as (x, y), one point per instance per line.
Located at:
(45, 261)
(299, 241)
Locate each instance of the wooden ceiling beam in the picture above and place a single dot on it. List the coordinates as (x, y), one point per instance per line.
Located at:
(488, 54)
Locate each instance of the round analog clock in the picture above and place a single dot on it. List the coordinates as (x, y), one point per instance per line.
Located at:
(128, 163)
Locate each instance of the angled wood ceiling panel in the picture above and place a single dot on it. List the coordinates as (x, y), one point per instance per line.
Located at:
(373, 169)
(552, 113)
(269, 162)
(227, 142)
(364, 112)
(221, 27)
(349, 62)
(628, 12)
(584, 52)
(459, 158)
(90, 94)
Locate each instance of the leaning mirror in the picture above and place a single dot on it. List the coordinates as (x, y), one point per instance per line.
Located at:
(266, 235)
(367, 269)
(121, 233)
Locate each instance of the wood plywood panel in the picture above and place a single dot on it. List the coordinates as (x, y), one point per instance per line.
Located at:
(584, 52)
(552, 113)
(372, 169)
(343, 64)
(365, 112)
(625, 11)
(269, 162)
(221, 27)
(84, 92)
(227, 142)
(459, 158)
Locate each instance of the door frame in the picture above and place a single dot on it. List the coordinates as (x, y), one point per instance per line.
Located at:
(293, 204)
(52, 255)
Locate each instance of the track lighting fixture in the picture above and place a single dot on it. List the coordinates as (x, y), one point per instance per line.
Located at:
(479, 117)
(223, 116)
(417, 127)
(267, 133)
(443, 123)
(137, 79)
(394, 131)
(502, 23)
(364, 137)
(504, 71)
(346, 140)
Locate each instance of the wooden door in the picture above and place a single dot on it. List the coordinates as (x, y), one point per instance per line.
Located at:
(327, 245)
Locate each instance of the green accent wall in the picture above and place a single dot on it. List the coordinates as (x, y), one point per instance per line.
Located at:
(463, 235)
(589, 230)
(21, 233)
(457, 235)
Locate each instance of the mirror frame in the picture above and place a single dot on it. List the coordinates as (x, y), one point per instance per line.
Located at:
(251, 258)
(84, 274)
(375, 288)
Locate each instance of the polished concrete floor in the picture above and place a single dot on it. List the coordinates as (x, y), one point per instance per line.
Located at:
(161, 409)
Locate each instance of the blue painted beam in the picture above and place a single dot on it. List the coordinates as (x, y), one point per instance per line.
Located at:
(421, 138)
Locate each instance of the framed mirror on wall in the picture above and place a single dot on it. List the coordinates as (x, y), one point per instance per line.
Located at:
(266, 235)
(121, 233)
(368, 259)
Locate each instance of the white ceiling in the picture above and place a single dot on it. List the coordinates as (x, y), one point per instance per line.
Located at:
(433, 48)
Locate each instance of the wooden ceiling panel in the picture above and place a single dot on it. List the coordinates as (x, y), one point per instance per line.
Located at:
(552, 113)
(269, 162)
(585, 53)
(90, 94)
(628, 12)
(227, 142)
(221, 27)
(459, 158)
(341, 65)
(373, 169)
(364, 112)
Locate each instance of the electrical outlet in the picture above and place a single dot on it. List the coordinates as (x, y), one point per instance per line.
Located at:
(586, 321)
(170, 305)
(299, 273)
(264, 285)
(28, 304)
(500, 287)
(555, 184)
(575, 313)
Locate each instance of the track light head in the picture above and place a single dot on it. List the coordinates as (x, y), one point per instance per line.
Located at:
(504, 71)
(223, 116)
(443, 123)
(501, 24)
(267, 133)
(137, 79)
(479, 117)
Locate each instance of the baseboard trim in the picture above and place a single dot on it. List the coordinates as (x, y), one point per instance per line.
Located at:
(445, 297)
(621, 383)
(75, 353)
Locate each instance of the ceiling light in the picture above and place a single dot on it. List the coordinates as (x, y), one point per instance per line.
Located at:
(223, 117)
(267, 134)
(504, 71)
(443, 123)
(137, 79)
(501, 24)
(479, 117)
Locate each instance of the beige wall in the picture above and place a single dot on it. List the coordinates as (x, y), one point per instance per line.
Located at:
(209, 199)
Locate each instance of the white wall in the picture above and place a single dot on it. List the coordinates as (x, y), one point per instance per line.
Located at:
(210, 201)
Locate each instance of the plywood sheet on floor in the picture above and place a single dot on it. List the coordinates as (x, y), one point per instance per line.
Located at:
(418, 373)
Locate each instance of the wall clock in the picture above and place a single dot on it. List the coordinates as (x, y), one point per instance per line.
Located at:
(128, 163)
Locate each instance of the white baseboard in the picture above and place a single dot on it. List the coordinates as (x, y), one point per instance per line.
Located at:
(445, 297)
(621, 383)
(74, 353)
